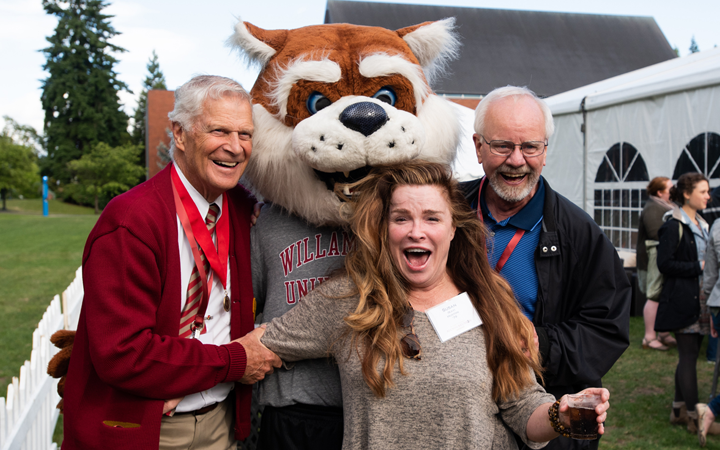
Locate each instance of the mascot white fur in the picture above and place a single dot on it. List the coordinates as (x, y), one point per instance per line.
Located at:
(331, 102)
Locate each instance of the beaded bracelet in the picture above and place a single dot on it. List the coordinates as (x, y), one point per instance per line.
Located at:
(554, 415)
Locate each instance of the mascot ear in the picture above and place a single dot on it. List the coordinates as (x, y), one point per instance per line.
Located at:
(256, 44)
(434, 44)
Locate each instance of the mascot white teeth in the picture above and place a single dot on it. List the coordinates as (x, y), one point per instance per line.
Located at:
(331, 102)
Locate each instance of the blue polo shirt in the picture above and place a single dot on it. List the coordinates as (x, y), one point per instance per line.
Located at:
(519, 270)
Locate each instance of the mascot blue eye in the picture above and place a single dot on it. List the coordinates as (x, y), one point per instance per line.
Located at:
(316, 102)
(386, 94)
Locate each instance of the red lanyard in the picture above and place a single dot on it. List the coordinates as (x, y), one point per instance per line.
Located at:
(196, 231)
(513, 242)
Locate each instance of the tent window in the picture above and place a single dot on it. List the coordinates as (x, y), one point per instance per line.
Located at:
(617, 210)
(702, 155)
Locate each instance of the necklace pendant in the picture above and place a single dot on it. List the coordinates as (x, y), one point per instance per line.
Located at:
(226, 303)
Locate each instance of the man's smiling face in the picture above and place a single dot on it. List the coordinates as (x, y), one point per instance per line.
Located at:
(214, 152)
(517, 119)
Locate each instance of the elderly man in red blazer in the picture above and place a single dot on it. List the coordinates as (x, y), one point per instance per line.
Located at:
(160, 359)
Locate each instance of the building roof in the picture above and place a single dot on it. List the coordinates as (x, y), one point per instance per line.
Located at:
(546, 51)
(694, 71)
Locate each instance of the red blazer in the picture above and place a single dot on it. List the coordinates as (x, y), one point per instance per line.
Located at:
(127, 357)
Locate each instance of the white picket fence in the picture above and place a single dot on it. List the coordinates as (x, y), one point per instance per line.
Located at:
(28, 414)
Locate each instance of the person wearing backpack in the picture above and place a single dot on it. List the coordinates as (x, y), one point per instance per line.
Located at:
(680, 258)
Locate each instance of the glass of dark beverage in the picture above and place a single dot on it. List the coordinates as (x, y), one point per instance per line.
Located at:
(583, 418)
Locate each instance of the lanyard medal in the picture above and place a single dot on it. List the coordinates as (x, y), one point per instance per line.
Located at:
(196, 231)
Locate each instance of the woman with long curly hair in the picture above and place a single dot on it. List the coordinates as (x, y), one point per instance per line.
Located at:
(417, 245)
(682, 306)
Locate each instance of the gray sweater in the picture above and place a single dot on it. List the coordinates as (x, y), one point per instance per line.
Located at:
(443, 402)
(711, 283)
(290, 258)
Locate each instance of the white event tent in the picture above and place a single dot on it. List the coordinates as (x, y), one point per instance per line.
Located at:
(613, 136)
(465, 166)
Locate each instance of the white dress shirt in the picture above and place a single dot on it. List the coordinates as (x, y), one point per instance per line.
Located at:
(217, 320)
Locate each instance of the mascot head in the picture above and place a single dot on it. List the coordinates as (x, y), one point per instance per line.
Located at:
(331, 101)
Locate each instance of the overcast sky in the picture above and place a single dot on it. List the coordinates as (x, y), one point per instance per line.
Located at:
(189, 36)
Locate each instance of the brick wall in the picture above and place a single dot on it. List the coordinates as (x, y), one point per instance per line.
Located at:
(466, 102)
(159, 104)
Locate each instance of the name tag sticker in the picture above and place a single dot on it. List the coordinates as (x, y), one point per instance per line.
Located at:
(453, 317)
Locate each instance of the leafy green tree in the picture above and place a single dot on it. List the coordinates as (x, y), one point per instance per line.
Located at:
(693, 46)
(105, 171)
(154, 80)
(18, 170)
(22, 134)
(80, 95)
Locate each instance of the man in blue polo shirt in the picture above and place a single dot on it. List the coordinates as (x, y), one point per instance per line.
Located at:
(528, 222)
(564, 272)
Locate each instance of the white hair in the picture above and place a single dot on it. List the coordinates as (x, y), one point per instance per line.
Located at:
(512, 91)
(191, 96)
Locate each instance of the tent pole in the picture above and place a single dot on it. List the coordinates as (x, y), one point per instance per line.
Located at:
(583, 130)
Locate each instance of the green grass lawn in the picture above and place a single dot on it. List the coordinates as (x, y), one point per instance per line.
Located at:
(641, 386)
(38, 259)
(55, 207)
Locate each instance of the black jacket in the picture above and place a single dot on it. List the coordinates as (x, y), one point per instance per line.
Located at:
(677, 260)
(583, 310)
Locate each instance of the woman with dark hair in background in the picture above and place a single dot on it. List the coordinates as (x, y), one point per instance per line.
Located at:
(682, 309)
(651, 219)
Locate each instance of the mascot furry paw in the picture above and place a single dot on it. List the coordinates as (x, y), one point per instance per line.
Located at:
(331, 102)
(58, 365)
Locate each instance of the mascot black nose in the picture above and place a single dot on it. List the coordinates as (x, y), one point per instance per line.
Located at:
(364, 117)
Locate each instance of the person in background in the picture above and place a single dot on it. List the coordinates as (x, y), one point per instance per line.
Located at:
(711, 289)
(682, 307)
(651, 219)
(710, 214)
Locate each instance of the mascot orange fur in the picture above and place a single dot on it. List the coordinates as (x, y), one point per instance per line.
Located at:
(331, 102)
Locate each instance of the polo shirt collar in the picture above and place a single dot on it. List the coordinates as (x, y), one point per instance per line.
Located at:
(528, 217)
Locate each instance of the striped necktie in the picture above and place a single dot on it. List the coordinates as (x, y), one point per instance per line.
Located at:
(194, 290)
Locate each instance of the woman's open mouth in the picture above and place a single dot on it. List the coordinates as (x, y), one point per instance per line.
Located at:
(416, 257)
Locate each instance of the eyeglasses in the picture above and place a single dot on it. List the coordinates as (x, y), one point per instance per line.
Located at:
(529, 149)
(410, 343)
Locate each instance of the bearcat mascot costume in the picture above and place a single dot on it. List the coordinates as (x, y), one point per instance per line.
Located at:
(331, 101)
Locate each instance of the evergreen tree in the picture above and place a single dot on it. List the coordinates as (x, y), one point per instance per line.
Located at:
(80, 95)
(154, 80)
(693, 46)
